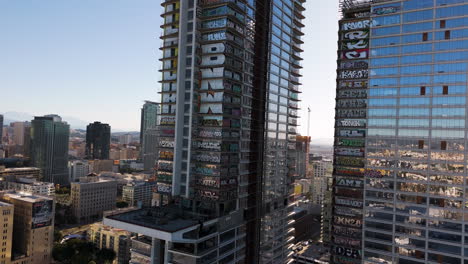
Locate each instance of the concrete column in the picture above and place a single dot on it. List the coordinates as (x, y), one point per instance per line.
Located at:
(156, 249)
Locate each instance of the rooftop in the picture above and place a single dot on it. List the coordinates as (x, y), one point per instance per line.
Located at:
(32, 198)
(19, 169)
(168, 219)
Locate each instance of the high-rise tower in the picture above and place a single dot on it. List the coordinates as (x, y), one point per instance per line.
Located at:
(49, 148)
(98, 136)
(400, 165)
(227, 132)
(148, 134)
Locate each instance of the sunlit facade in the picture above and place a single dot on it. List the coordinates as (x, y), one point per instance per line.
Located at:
(400, 166)
(227, 131)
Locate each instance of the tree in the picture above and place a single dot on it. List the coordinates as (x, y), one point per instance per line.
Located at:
(76, 251)
(121, 204)
(57, 235)
(105, 256)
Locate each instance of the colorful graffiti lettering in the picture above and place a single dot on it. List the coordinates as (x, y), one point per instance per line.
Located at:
(347, 231)
(354, 74)
(349, 171)
(347, 252)
(348, 193)
(354, 64)
(353, 84)
(357, 103)
(348, 202)
(344, 241)
(346, 211)
(356, 35)
(346, 221)
(356, 54)
(350, 161)
(356, 25)
(351, 133)
(351, 123)
(385, 10)
(356, 44)
(351, 142)
(351, 113)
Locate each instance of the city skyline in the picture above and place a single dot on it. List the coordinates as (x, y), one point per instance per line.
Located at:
(129, 64)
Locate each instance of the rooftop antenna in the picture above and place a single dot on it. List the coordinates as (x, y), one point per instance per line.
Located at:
(308, 121)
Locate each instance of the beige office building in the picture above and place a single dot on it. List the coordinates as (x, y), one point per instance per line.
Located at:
(91, 197)
(6, 229)
(26, 172)
(33, 227)
(112, 238)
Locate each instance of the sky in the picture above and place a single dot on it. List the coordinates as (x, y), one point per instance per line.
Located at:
(98, 60)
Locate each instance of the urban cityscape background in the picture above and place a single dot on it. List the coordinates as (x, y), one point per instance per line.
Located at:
(239, 154)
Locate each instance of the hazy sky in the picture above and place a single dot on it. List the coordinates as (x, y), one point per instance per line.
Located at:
(98, 60)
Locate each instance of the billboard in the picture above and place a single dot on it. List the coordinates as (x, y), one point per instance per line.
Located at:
(42, 213)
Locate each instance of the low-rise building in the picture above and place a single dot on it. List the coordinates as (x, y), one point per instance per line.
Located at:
(139, 193)
(91, 196)
(33, 227)
(29, 185)
(78, 169)
(115, 239)
(6, 228)
(21, 172)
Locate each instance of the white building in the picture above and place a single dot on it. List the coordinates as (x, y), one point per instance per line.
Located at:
(31, 186)
(321, 173)
(78, 169)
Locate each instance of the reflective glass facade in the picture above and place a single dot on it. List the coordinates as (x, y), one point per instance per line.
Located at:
(227, 129)
(404, 136)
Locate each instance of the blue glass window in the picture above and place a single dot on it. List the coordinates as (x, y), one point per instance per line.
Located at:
(451, 56)
(383, 82)
(415, 38)
(416, 48)
(448, 123)
(413, 91)
(383, 92)
(380, 132)
(417, 27)
(451, 11)
(454, 34)
(454, 78)
(446, 112)
(413, 133)
(385, 31)
(417, 4)
(384, 71)
(385, 51)
(448, 100)
(413, 123)
(382, 122)
(414, 112)
(386, 20)
(448, 133)
(382, 102)
(418, 69)
(415, 101)
(456, 22)
(413, 59)
(418, 16)
(384, 61)
(449, 2)
(385, 41)
(453, 67)
(382, 112)
(452, 89)
(411, 80)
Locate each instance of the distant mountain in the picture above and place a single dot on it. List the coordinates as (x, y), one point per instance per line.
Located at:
(74, 122)
(322, 141)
